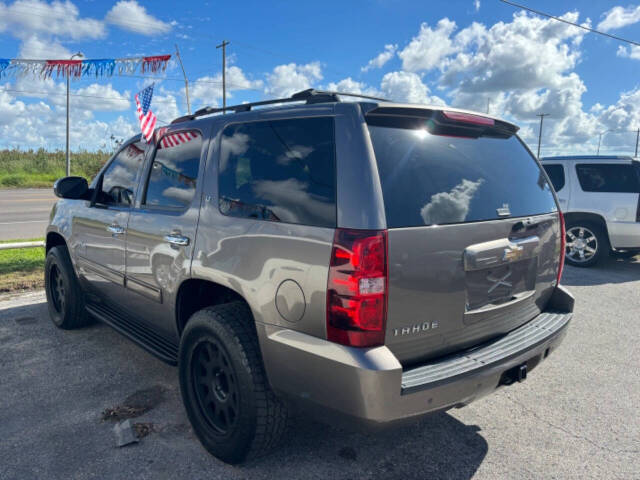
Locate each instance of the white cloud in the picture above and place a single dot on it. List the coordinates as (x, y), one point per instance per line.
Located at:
(25, 17)
(619, 17)
(451, 206)
(476, 5)
(207, 91)
(407, 87)
(290, 78)
(427, 50)
(348, 85)
(129, 15)
(38, 124)
(632, 52)
(36, 48)
(381, 59)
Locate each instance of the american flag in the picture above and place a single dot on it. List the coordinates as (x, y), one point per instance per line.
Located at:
(146, 117)
(174, 139)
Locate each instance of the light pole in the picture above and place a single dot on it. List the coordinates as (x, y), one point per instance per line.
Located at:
(79, 55)
(600, 140)
(541, 115)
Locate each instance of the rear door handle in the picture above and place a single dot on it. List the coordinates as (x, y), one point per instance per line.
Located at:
(177, 240)
(115, 229)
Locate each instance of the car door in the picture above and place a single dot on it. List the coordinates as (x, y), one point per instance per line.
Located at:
(100, 228)
(162, 227)
(613, 190)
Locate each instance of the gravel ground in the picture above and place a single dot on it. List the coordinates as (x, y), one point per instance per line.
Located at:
(576, 416)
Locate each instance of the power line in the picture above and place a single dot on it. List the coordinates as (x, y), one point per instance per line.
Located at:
(588, 29)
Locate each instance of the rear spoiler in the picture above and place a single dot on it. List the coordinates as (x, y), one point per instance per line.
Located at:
(441, 122)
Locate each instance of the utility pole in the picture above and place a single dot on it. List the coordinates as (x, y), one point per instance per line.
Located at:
(186, 80)
(541, 115)
(488, 104)
(79, 54)
(223, 45)
(637, 138)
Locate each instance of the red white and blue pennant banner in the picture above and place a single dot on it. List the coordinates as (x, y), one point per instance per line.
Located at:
(104, 67)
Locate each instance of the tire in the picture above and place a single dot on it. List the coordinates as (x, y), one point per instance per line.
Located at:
(65, 298)
(228, 400)
(587, 244)
(625, 254)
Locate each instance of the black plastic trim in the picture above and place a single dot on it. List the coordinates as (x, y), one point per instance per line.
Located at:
(136, 331)
(545, 327)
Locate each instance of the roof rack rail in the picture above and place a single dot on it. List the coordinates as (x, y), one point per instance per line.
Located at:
(309, 96)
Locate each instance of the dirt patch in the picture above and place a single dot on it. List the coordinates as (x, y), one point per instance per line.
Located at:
(21, 281)
(135, 405)
(143, 429)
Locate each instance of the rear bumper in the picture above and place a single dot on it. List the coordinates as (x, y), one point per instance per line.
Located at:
(370, 386)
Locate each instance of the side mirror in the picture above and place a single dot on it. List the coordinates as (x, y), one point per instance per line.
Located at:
(75, 188)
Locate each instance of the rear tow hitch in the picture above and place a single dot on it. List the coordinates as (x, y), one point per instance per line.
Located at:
(515, 374)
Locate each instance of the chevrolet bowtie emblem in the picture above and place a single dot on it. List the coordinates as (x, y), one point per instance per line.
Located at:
(512, 253)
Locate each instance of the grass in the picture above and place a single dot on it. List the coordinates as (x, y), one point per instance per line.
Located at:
(21, 268)
(40, 168)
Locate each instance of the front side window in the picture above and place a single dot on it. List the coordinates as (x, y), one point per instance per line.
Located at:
(281, 171)
(611, 178)
(120, 179)
(556, 175)
(174, 172)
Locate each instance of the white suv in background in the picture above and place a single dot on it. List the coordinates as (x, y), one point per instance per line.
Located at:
(600, 199)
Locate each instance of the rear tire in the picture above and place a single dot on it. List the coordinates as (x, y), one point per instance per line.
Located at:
(228, 400)
(65, 298)
(624, 253)
(587, 244)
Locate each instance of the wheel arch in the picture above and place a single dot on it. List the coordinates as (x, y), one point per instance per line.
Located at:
(574, 217)
(195, 294)
(54, 239)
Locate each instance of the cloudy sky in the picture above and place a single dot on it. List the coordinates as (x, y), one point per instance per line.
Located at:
(477, 54)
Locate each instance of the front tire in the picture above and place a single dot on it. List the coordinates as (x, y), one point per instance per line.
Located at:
(65, 298)
(227, 397)
(587, 244)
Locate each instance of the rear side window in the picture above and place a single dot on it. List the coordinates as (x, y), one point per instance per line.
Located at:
(556, 175)
(174, 172)
(120, 179)
(609, 178)
(433, 179)
(281, 171)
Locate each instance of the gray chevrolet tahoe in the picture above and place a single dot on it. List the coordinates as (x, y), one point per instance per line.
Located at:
(366, 261)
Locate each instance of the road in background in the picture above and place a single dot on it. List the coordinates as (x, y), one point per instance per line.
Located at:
(575, 417)
(24, 213)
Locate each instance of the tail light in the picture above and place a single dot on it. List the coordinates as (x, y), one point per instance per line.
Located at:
(357, 288)
(468, 118)
(563, 245)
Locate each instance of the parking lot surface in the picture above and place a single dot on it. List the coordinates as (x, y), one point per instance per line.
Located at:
(576, 416)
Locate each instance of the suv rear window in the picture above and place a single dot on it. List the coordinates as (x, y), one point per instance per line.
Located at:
(611, 178)
(432, 179)
(280, 170)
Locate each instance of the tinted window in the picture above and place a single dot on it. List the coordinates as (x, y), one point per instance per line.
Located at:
(120, 179)
(556, 174)
(430, 179)
(281, 170)
(172, 180)
(608, 178)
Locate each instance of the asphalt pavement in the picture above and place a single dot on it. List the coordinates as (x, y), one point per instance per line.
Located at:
(24, 213)
(575, 417)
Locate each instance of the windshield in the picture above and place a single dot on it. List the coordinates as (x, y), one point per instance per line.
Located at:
(433, 179)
